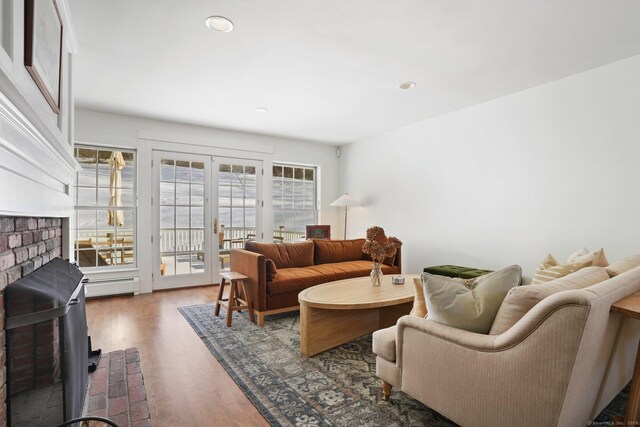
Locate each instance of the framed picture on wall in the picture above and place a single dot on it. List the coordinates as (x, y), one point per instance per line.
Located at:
(43, 48)
(318, 232)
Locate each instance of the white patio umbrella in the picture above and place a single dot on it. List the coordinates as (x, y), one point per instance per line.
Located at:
(116, 163)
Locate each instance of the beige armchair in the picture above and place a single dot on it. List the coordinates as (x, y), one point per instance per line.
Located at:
(559, 365)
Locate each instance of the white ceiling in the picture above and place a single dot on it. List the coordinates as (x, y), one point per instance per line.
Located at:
(329, 70)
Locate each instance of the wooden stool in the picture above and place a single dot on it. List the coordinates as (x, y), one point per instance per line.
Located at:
(224, 258)
(233, 303)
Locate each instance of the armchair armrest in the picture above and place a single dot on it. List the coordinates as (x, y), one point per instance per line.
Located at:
(471, 340)
(252, 265)
(493, 343)
(460, 374)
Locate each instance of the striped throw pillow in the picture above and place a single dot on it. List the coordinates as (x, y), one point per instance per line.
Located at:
(550, 269)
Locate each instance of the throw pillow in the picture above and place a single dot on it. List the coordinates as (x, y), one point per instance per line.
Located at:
(548, 262)
(391, 260)
(596, 258)
(419, 303)
(521, 299)
(469, 304)
(550, 269)
(284, 255)
(576, 254)
(272, 271)
(624, 265)
(331, 251)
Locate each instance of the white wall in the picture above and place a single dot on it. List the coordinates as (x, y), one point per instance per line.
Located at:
(92, 127)
(548, 169)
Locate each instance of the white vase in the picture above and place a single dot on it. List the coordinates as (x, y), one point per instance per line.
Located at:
(376, 274)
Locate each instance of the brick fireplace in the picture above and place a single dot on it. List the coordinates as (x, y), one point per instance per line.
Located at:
(26, 244)
(37, 168)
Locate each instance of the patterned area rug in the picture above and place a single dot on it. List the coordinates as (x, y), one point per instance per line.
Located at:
(335, 388)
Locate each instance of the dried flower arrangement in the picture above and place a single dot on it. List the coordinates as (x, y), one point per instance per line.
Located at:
(378, 246)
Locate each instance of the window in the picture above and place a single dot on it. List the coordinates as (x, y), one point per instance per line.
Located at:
(294, 200)
(105, 207)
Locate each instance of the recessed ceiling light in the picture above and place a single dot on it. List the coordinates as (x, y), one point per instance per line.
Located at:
(261, 110)
(219, 23)
(408, 85)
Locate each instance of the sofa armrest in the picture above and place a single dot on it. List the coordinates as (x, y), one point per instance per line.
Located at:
(398, 261)
(252, 265)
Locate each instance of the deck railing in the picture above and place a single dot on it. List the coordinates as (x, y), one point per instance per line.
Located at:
(179, 241)
(234, 237)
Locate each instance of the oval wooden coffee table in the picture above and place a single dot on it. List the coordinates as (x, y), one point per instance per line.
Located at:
(335, 313)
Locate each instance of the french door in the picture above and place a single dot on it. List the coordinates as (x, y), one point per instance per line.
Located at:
(203, 206)
(182, 212)
(237, 214)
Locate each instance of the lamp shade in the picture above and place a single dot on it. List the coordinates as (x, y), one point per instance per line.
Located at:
(345, 200)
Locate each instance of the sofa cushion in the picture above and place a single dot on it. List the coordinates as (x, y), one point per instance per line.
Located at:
(384, 343)
(521, 299)
(596, 258)
(294, 280)
(419, 303)
(624, 265)
(550, 269)
(348, 270)
(284, 255)
(297, 279)
(469, 304)
(329, 251)
(271, 270)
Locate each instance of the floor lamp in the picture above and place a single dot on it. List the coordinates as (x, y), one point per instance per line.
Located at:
(346, 201)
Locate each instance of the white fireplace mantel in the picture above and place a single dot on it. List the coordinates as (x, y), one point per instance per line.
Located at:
(36, 176)
(37, 168)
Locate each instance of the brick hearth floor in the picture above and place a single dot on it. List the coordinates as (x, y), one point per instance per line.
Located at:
(116, 390)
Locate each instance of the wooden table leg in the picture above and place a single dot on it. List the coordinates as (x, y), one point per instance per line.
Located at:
(247, 298)
(220, 293)
(232, 302)
(632, 417)
(386, 390)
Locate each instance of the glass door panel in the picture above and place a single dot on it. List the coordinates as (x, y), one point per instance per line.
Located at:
(183, 252)
(238, 184)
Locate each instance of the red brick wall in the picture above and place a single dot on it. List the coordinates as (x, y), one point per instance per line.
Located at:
(26, 244)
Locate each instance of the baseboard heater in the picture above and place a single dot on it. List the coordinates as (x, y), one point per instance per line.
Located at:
(111, 286)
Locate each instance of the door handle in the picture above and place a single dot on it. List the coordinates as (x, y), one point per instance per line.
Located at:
(215, 226)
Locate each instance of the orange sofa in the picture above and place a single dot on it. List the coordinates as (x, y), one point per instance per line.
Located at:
(299, 266)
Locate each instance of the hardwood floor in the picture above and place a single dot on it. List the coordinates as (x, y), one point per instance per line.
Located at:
(186, 386)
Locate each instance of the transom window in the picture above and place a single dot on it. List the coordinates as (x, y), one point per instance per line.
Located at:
(294, 200)
(105, 207)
